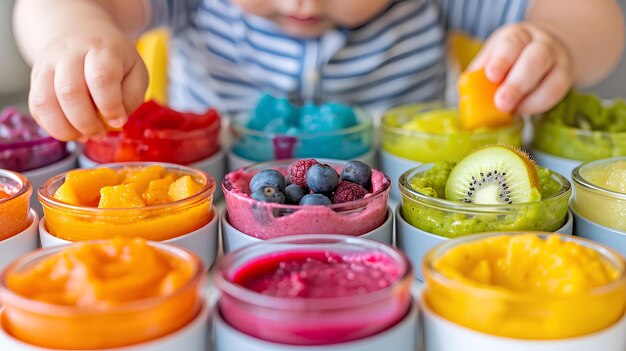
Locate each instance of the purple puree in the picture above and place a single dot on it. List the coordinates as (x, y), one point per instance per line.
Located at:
(24, 145)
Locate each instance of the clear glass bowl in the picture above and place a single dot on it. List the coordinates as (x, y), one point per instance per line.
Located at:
(261, 146)
(431, 147)
(596, 203)
(156, 223)
(173, 146)
(84, 328)
(267, 220)
(28, 155)
(453, 219)
(14, 210)
(509, 313)
(576, 143)
(312, 321)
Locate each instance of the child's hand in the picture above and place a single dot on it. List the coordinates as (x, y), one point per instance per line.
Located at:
(533, 67)
(81, 83)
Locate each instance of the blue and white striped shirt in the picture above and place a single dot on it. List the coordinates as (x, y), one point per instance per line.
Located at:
(225, 58)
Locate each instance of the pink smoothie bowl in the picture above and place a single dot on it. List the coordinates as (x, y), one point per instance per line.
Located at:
(265, 220)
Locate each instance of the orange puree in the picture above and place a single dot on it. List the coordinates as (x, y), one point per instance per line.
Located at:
(14, 204)
(101, 294)
(148, 201)
(526, 286)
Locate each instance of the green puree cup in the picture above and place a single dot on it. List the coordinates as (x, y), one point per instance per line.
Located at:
(424, 221)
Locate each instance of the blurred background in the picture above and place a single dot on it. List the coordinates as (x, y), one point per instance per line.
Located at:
(14, 73)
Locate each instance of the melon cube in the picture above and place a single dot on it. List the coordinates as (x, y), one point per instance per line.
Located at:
(157, 192)
(82, 187)
(142, 178)
(120, 196)
(183, 188)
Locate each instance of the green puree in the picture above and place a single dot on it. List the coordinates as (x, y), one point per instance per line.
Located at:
(582, 128)
(452, 220)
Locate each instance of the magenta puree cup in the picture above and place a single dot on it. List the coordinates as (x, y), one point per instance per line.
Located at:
(314, 289)
(265, 220)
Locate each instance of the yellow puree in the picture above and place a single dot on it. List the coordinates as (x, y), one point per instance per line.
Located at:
(523, 286)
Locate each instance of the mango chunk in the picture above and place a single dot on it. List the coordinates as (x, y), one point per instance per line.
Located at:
(143, 177)
(183, 188)
(476, 102)
(82, 187)
(120, 196)
(157, 192)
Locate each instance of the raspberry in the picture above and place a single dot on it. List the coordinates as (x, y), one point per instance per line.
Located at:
(347, 192)
(297, 171)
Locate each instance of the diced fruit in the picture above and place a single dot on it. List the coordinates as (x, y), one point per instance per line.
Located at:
(315, 200)
(322, 179)
(120, 196)
(476, 102)
(297, 171)
(347, 192)
(82, 187)
(157, 192)
(357, 172)
(183, 188)
(294, 193)
(142, 178)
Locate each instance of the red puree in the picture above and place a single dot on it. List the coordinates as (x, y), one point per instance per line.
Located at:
(158, 133)
(318, 274)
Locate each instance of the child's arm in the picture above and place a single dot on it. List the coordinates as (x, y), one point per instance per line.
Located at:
(562, 43)
(84, 62)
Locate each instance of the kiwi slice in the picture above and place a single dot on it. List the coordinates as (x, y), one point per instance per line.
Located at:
(492, 175)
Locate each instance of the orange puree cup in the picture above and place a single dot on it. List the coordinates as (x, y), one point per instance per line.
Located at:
(15, 191)
(155, 222)
(533, 286)
(100, 294)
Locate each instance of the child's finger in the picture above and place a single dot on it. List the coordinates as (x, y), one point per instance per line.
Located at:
(549, 92)
(104, 74)
(45, 108)
(532, 66)
(504, 51)
(73, 96)
(134, 86)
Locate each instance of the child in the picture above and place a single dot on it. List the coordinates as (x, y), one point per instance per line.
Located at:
(374, 53)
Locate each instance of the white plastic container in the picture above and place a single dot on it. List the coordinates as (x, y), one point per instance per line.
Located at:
(394, 166)
(233, 239)
(203, 242)
(401, 337)
(416, 243)
(21, 243)
(610, 237)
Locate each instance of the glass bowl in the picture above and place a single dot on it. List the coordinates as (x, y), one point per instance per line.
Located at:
(14, 210)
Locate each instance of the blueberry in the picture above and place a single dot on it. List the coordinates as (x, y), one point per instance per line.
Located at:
(269, 194)
(287, 180)
(315, 199)
(357, 172)
(294, 194)
(322, 179)
(267, 177)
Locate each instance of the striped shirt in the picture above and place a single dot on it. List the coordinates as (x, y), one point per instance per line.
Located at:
(225, 58)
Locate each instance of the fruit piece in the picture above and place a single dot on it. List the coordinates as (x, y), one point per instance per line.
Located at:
(287, 181)
(297, 171)
(153, 48)
(496, 174)
(157, 192)
(120, 196)
(347, 192)
(294, 194)
(142, 178)
(183, 188)
(82, 187)
(4, 195)
(269, 194)
(315, 200)
(476, 102)
(322, 179)
(267, 177)
(357, 172)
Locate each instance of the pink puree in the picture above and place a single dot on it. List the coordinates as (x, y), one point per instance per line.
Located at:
(297, 277)
(268, 220)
